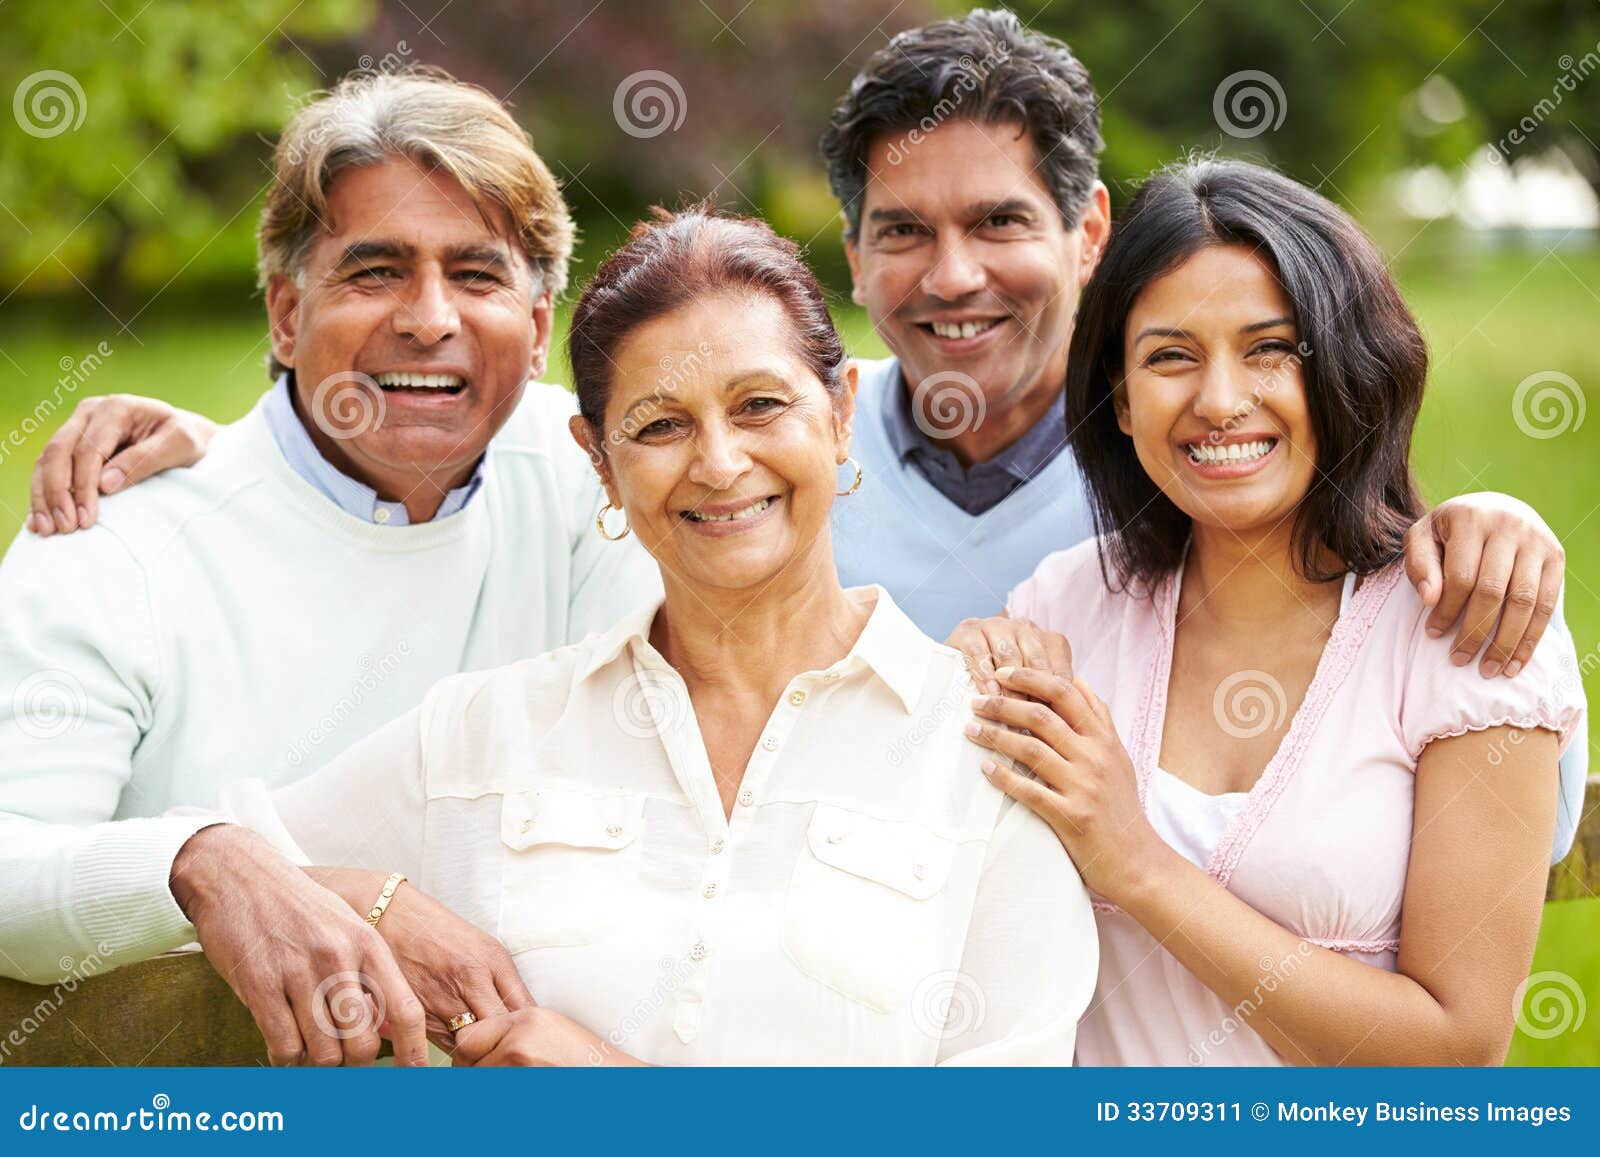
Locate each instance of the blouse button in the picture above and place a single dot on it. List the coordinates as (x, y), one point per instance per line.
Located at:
(527, 825)
(919, 871)
(710, 890)
(830, 676)
(797, 697)
(770, 743)
(747, 797)
(698, 950)
(716, 846)
(614, 830)
(380, 515)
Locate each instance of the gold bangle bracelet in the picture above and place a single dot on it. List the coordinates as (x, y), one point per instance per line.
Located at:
(384, 897)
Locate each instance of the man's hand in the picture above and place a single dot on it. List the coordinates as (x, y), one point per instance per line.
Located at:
(108, 443)
(451, 965)
(321, 983)
(1487, 559)
(996, 642)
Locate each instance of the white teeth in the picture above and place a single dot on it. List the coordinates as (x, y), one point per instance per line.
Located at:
(1234, 452)
(954, 329)
(421, 381)
(750, 511)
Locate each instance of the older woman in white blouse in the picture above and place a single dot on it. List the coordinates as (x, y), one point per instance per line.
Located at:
(744, 826)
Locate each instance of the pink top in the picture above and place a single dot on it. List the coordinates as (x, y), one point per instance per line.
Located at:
(1322, 841)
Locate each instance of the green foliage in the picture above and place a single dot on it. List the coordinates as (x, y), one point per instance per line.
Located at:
(130, 150)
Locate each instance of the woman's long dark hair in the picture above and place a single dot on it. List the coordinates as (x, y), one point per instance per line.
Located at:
(1363, 361)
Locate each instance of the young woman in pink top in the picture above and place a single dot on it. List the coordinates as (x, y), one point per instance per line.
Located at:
(1313, 839)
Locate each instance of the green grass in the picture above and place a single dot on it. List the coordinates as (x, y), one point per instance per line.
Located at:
(1492, 320)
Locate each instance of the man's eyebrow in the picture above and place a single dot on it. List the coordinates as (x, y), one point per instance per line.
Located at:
(1273, 323)
(891, 216)
(979, 210)
(366, 252)
(479, 252)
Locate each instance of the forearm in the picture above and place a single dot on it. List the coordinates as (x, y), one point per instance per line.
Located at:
(83, 900)
(1311, 1004)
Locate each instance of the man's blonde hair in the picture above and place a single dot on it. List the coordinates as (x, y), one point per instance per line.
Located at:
(429, 117)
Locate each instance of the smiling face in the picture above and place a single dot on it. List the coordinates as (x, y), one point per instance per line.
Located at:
(412, 331)
(1214, 396)
(722, 445)
(963, 260)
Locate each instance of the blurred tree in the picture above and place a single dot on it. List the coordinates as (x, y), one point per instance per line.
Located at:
(1533, 68)
(131, 150)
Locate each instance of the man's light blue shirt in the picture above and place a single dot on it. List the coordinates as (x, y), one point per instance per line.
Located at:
(354, 498)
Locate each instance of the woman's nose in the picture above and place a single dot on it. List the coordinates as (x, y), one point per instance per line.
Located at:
(1225, 395)
(719, 460)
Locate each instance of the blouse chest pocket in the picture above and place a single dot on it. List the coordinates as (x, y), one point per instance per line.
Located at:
(571, 865)
(869, 910)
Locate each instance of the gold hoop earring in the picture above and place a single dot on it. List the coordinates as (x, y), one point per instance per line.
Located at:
(854, 486)
(600, 523)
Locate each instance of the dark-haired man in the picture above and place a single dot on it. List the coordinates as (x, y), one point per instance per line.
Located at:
(964, 156)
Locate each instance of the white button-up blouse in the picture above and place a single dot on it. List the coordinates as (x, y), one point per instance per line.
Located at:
(872, 900)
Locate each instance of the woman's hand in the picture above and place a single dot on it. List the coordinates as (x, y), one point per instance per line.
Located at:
(452, 965)
(109, 443)
(534, 1036)
(1001, 641)
(1086, 790)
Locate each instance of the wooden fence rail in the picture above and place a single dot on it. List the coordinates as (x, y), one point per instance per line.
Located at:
(175, 1010)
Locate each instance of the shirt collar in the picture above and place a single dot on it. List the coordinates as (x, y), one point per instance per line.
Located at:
(1023, 459)
(355, 498)
(890, 646)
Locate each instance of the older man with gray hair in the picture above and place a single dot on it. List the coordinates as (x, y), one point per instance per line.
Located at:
(404, 503)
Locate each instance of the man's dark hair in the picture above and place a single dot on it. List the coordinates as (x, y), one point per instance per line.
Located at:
(984, 67)
(1362, 361)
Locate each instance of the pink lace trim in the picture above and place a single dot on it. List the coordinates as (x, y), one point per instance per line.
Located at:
(1338, 658)
(1332, 944)
(1543, 719)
